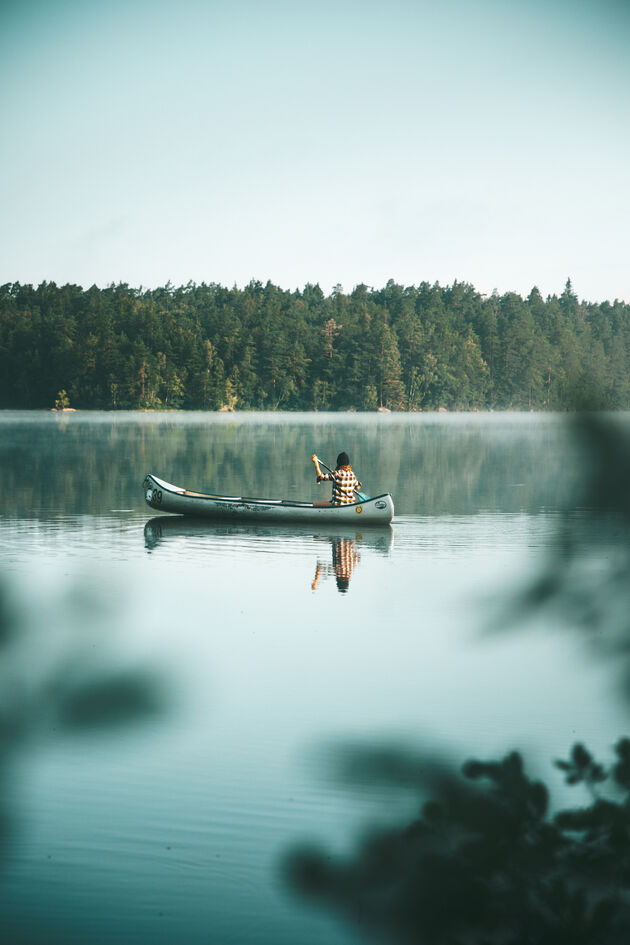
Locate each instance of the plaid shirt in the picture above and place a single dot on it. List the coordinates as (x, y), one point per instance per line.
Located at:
(344, 483)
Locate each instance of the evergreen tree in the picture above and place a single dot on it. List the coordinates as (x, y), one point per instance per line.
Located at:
(206, 346)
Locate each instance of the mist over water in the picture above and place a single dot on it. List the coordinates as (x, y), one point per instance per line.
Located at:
(174, 693)
(89, 463)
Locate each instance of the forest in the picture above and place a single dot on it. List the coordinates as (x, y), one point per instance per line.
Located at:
(261, 347)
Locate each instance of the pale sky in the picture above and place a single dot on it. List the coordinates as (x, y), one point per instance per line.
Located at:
(333, 142)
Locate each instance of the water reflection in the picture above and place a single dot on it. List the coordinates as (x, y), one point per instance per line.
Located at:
(90, 462)
(345, 544)
(284, 674)
(345, 558)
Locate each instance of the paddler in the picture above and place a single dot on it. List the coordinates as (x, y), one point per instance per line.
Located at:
(344, 481)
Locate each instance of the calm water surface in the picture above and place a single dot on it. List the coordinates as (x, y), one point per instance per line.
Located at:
(171, 691)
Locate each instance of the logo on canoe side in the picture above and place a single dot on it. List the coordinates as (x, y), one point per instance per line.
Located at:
(359, 509)
(379, 505)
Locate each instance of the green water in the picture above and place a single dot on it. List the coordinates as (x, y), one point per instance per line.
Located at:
(170, 691)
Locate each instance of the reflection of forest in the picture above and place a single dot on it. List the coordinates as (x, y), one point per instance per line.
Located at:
(432, 465)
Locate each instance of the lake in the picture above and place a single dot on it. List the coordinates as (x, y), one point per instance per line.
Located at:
(176, 697)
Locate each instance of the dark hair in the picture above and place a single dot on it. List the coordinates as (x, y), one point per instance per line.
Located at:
(343, 460)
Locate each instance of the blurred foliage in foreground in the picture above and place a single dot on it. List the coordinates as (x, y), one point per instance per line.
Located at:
(584, 583)
(486, 861)
(56, 680)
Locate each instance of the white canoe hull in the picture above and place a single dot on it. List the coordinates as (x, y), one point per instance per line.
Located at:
(165, 497)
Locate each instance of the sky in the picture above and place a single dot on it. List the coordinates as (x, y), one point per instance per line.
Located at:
(324, 142)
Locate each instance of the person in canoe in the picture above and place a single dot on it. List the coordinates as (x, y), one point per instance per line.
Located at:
(345, 483)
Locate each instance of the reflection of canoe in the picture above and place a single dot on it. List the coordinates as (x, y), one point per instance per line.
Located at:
(165, 497)
(162, 528)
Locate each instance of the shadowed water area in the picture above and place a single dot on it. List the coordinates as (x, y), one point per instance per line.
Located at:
(198, 720)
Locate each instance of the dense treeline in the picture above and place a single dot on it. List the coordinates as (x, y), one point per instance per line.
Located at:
(261, 347)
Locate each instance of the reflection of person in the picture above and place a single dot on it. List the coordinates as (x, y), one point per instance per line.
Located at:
(343, 479)
(344, 560)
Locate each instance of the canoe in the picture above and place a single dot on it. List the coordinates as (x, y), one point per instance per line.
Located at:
(165, 497)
